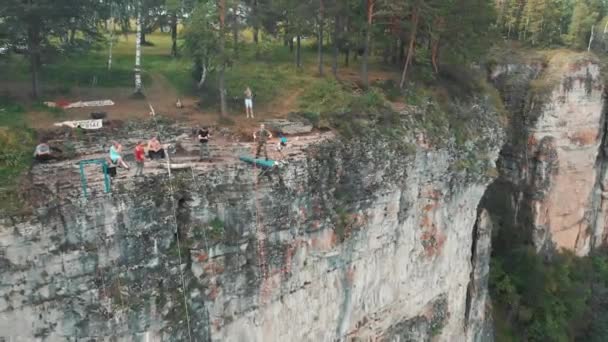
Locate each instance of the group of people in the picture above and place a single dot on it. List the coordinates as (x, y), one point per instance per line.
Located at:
(203, 135)
(262, 135)
(155, 149)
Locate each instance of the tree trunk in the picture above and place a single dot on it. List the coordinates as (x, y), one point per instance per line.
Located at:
(138, 40)
(288, 38)
(336, 48)
(401, 51)
(222, 87)
(439, 24)
(256, 27)
(591, 38)
(111, 46)
(72, 35)
(203, 77)
(368, 38)
(235, 28)
(142, 37)
(435, 55)
(174, 34)
(386, 54)
(320, 38)
(347, 57)
(34, 54)
(298, 51)
(394, 49)
(347, 44)
(412, 45)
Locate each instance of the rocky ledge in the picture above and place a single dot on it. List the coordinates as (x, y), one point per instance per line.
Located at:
(373, 237)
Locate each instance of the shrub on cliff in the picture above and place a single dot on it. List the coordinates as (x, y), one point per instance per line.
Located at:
(563, 299)
(16, 148)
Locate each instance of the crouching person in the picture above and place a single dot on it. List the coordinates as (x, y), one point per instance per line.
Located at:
(155, 149)
(43, 152)
(115, 156)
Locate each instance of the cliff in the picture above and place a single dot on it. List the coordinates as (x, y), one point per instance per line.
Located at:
(552, 182)
(373, 237)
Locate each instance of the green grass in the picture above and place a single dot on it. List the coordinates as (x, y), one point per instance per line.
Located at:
(325, 96)
(338, 106)
(328, 96)
(269, 74)
(91, 69)
(16, 147)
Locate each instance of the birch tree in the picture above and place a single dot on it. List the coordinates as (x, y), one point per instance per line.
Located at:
(221, 8)
(138, 83)
(201, 40)
(112, 31)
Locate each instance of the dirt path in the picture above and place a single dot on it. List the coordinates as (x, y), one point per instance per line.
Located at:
(286, 105)
(160, 93)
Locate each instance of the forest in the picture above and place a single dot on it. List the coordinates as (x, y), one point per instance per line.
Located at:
(406, 33)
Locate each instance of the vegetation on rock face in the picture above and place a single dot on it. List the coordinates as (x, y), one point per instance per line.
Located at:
(561, 298)
(16, 148)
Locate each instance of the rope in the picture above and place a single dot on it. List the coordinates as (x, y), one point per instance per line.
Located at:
(204, 232)
(260, 233)
(174, 216)
(204, 237)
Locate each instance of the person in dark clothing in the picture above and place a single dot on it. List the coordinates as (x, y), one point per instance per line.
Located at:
(203, 136)
(262, 136)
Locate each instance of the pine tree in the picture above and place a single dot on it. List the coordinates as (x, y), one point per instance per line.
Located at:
(542, 19)
(45, 24)
(174, 9)
(586, 13)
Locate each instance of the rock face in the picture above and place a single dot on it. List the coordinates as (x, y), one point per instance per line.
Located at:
(553, 170)
(354, 240)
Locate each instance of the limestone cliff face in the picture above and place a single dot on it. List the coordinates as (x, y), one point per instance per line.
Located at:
(553, 167)
(352, 240)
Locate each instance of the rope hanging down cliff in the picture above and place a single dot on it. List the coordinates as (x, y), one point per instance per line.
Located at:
(259, 228)
(176, 229)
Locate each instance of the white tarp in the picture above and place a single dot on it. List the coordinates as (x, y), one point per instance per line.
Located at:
(80, 104)
(84, 124)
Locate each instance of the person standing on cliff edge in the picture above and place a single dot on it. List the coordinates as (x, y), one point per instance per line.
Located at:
(139, 159)
(248, 103)
(262, 137)
(203, 138)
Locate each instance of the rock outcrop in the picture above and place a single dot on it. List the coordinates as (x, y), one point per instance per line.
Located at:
(352, 240)
(552, 170)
